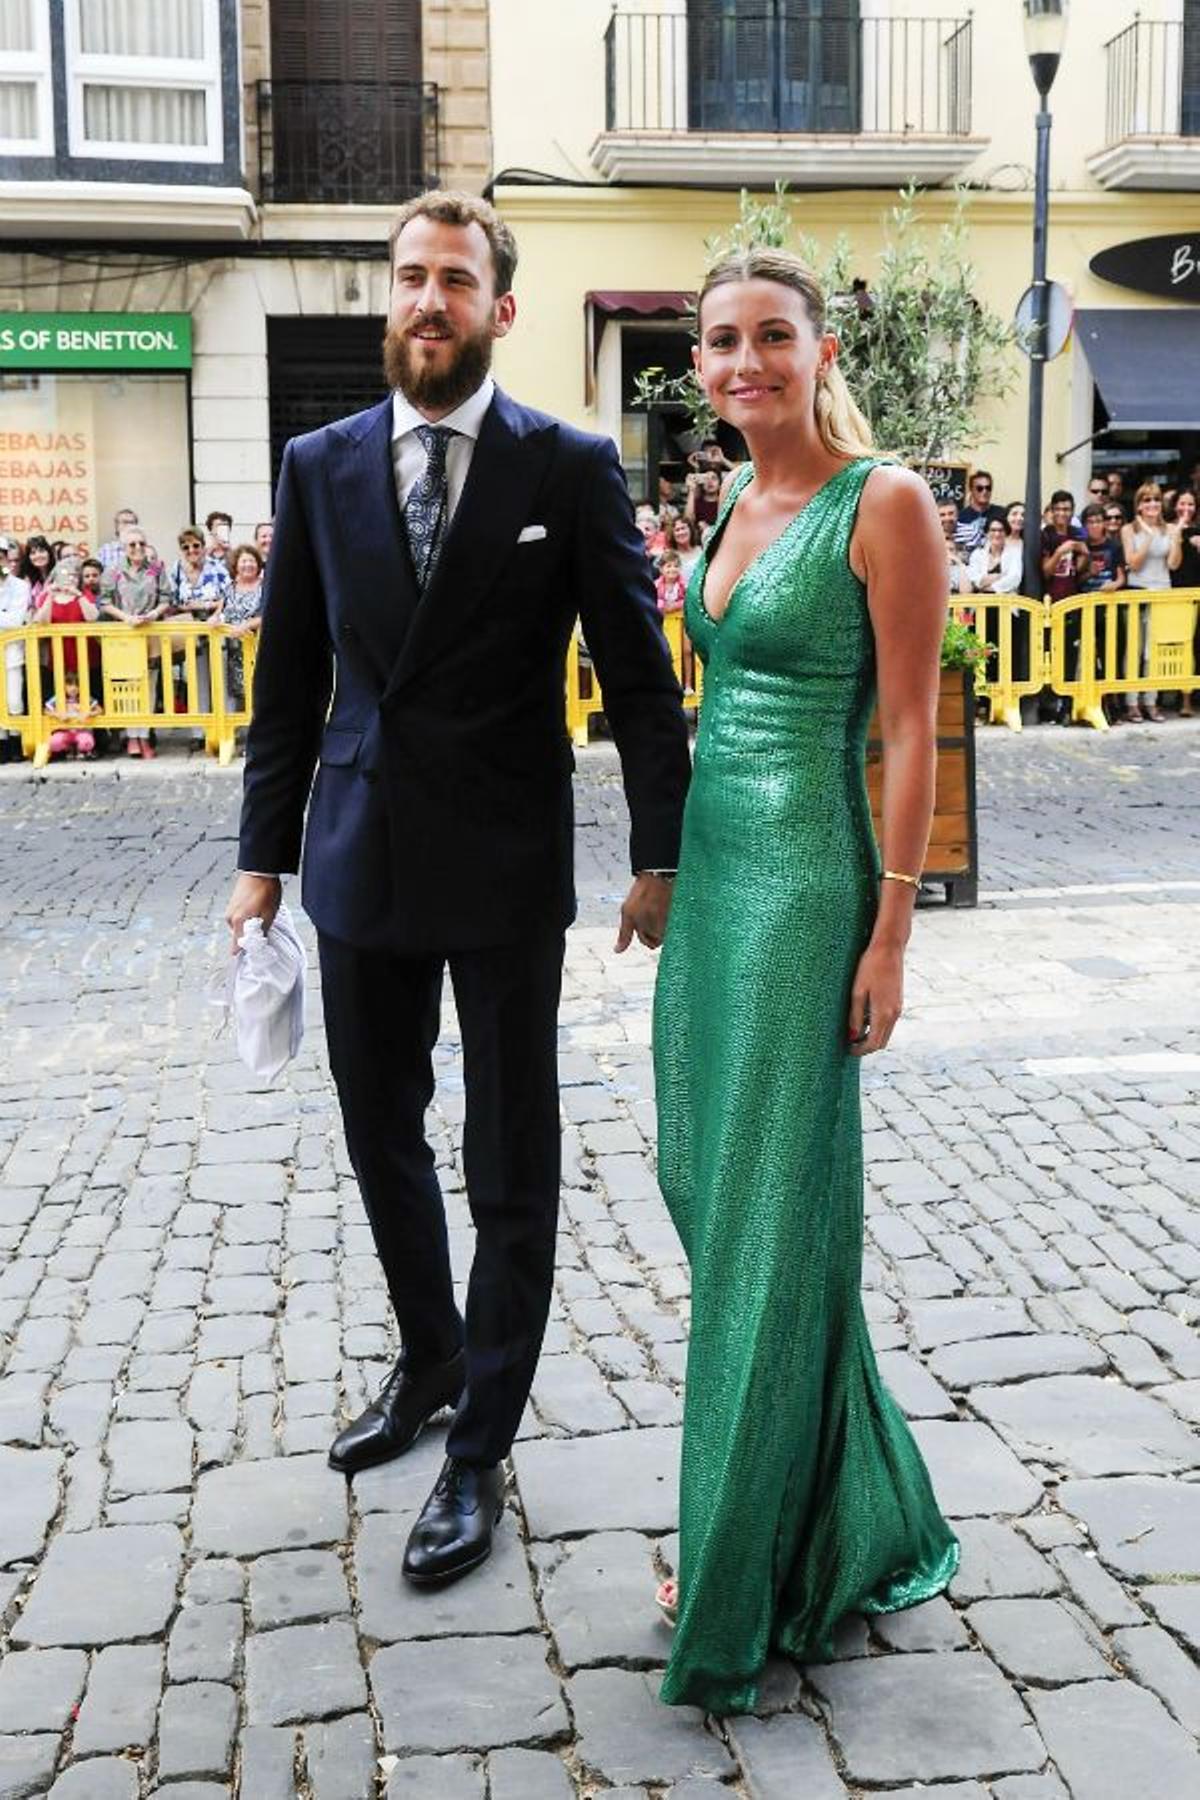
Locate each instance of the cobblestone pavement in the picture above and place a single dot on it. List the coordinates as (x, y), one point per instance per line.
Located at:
(194, 1604)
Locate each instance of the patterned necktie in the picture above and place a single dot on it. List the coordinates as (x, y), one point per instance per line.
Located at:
(428, 502)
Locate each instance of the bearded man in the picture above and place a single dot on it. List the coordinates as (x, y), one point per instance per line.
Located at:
(428, 560)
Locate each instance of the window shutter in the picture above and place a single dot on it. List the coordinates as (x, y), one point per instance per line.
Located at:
(348, 123)
(289, 40)
(773, 65)
(356, 40)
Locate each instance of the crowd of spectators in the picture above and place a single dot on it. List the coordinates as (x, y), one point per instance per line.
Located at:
(1117, 540)
(675, 530)
(1125, 535)
(127, 584)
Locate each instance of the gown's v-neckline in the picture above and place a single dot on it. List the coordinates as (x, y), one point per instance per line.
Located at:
(771, 544)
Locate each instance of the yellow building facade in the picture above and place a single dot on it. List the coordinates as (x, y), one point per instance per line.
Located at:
(622, 134)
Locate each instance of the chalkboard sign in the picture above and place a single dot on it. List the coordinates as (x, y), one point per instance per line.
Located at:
(948, 481)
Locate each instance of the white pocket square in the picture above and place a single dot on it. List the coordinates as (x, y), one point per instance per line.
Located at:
(531, 534)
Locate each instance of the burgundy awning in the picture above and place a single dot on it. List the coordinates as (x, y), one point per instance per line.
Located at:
(602, 304)
(642, 303)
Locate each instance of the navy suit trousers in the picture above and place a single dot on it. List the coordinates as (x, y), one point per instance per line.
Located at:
(381, 1020)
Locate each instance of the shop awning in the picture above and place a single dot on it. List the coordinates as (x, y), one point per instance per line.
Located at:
(602, 304)
(642, 303)
(1146, 363)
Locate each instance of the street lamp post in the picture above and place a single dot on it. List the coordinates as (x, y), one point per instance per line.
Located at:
(1045, 29)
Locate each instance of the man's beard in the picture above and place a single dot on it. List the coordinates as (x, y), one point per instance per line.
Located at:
(429, 388)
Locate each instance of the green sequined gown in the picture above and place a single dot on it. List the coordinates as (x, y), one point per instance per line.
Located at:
(803, 1494)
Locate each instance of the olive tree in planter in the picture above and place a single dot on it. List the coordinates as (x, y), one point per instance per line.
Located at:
(920, 352)
(922, 356)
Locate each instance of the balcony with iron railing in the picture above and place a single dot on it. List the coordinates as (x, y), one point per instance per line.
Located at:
(346, 143)
(1152, 115)
(786, 92)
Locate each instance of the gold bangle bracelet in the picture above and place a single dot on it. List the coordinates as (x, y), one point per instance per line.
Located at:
(896, 875)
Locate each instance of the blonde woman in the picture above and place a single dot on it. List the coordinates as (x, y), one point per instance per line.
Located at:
(1152, 549)
(803, 1494)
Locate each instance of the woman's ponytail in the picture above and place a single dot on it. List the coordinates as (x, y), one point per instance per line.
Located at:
(843, 428)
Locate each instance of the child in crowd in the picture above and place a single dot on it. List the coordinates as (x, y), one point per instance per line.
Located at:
(670, 587)
(1104, 571)
(72, 738)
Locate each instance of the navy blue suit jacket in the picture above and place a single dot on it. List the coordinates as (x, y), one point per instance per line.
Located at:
(441, 815)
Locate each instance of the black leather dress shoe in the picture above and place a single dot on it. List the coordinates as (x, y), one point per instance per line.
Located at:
(454, 1530)
(395, 1418)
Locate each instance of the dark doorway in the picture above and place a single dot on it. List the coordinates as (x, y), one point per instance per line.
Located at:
(349, 118)
(658, 442)
(319, 370)
(773, 65)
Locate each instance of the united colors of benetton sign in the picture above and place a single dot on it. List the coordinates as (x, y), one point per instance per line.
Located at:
(95, 340)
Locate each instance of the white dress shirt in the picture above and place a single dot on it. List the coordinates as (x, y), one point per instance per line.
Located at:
(408, 452)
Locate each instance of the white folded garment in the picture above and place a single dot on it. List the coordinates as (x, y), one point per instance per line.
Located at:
(264, 991)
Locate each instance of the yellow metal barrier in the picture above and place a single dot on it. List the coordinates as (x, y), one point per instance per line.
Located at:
(130, 671)
(1019, 664)
(1124, 643)
(1098, 644)
(687, 665)
(1109, 644)
(584, 698)
(583, 690)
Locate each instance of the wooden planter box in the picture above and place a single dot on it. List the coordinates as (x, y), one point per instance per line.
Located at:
(953, 855)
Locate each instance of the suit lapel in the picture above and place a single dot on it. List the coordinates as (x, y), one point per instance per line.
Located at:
(506, 470)
(385, 596)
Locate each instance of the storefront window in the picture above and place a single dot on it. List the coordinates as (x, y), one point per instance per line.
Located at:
(76, 448)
